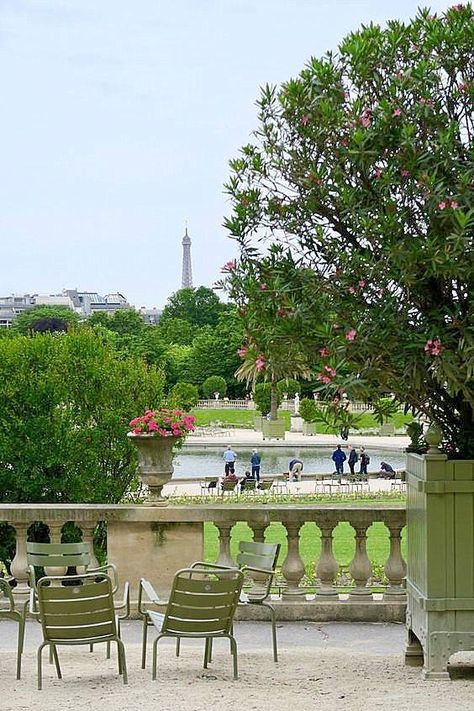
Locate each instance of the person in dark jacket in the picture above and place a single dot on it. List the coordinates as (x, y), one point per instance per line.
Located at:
(339, 457)
(364, 460)
(386, 471)
(353, 459)
(255, 460)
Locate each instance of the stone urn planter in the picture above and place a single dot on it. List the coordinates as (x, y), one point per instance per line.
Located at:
(309, 428)
(273, 429)
(155, 464)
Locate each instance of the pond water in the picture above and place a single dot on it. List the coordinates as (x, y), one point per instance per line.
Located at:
(193, 463)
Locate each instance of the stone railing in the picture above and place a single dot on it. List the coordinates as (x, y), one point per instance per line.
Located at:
(153, 542)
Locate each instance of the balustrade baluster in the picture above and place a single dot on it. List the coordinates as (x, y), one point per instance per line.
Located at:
(327, 567)
(224, 544)
(395, 567)
(55, 533)
(361, 567)
(293, 566)
(258, 532)
(88, 537)
(19, 564)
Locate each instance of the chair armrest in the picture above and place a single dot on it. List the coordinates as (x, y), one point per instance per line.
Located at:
(111, 570)
(145, 587)
(202, 564)
(5, 588)
(253, 569)
(125, 603)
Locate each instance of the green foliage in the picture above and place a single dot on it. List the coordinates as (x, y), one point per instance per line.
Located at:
(289, 386)
(177, 330)
(127, 321)
(308, 410)
(384, 409)
(199, 307)
(263, 397)
(65, 403)
(214, 384)
(364, 162)
(26, 322)
(184, 396)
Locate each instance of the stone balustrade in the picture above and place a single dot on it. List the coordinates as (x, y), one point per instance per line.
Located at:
(153, 542)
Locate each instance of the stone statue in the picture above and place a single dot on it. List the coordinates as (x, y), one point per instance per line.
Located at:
(297, 404)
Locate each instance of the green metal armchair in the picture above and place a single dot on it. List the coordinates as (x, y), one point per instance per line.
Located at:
(258, 560)
(80, 612)
(10, 613)
(202, 605)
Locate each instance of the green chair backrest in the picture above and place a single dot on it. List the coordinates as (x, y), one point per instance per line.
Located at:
(76, 614)
(58, 555)
(203, 602)
(229, 485)
(265, 484)
(258, 555)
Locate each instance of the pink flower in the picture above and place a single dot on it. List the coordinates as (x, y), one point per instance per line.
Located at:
(405, 173)
(442, 205)
(426, 102)
(304, 119)
(137, 430)
(242, 352)
(361, 283)
(463, 86)
(260, 364)
(263, 286)
(330, 371)
(350, 335)
(365, 120)
(229, 266)
(323, 379)
(152, 426)
(378, 172)
(351, 290)
(433, 347)
(381, 291)
(397, 112)
(323, 352)
(453, 204)
(134, 422)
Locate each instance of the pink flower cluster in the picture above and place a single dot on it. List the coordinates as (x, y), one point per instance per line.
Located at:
(229, 266)
(242, 352)
(433, 347)
(323, 352)
(304, 119)
(260, 363)
(366, 118)
(350, 335)
(163, 423)
(448, 203)
(327, 375)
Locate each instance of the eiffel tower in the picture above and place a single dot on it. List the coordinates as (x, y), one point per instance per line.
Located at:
(187, 276)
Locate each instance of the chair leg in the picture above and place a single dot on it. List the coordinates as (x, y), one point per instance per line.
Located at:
(21, 641)
(144, 641)
(56, 661)
(206, 652)
(122, 659)
(233, 647)
(178, 646)
(40, 664)
(274, 634)
(91, 648)
(155, 645)
(108, 651)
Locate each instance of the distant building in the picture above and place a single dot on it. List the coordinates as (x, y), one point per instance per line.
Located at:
(89, 302)
(150, 316)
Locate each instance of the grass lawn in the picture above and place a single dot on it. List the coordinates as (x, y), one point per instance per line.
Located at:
(245, 418)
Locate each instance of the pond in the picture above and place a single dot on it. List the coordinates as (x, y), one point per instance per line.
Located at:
(193, 463)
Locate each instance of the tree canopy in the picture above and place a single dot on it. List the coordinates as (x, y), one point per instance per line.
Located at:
(354, 212)
(199, 307)
(45, 318)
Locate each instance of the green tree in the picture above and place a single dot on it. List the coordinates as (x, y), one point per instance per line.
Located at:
(65, 404)
(184, 396)
(177, 330)
(264, 398)
(127, 321)
(364, 162)
(308, 410)
(99, 318)
(289, 386)
(214, 384)
(199, 307)
(59, 318)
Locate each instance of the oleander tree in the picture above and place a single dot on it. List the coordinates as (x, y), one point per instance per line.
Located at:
(353, 209)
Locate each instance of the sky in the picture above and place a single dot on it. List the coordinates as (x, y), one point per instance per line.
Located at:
(118, 119)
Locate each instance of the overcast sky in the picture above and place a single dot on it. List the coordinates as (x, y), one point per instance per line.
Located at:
(118, 118)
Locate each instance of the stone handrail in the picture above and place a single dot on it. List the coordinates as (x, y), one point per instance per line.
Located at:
(153, 542)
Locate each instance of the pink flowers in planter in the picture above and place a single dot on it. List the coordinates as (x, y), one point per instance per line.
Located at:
(448, 203)
(163, 423)
(433, 347)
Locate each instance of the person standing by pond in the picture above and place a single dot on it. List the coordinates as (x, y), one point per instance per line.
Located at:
(339, 457)
(353, 459)
(364, 460)
(255, 460)
(229, 460)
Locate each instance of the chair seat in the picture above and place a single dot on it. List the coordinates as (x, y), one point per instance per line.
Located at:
(157, 618)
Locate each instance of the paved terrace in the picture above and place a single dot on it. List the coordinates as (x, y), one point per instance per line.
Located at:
(322, 666)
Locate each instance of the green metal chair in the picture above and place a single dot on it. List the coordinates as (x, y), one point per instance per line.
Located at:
(72, 555)
(259, 559)
(82, 612)
(202, 605)
(10, 613)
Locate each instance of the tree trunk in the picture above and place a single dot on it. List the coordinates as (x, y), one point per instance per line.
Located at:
(274, 400)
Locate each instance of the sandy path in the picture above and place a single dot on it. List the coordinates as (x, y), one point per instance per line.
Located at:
(304, 679)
